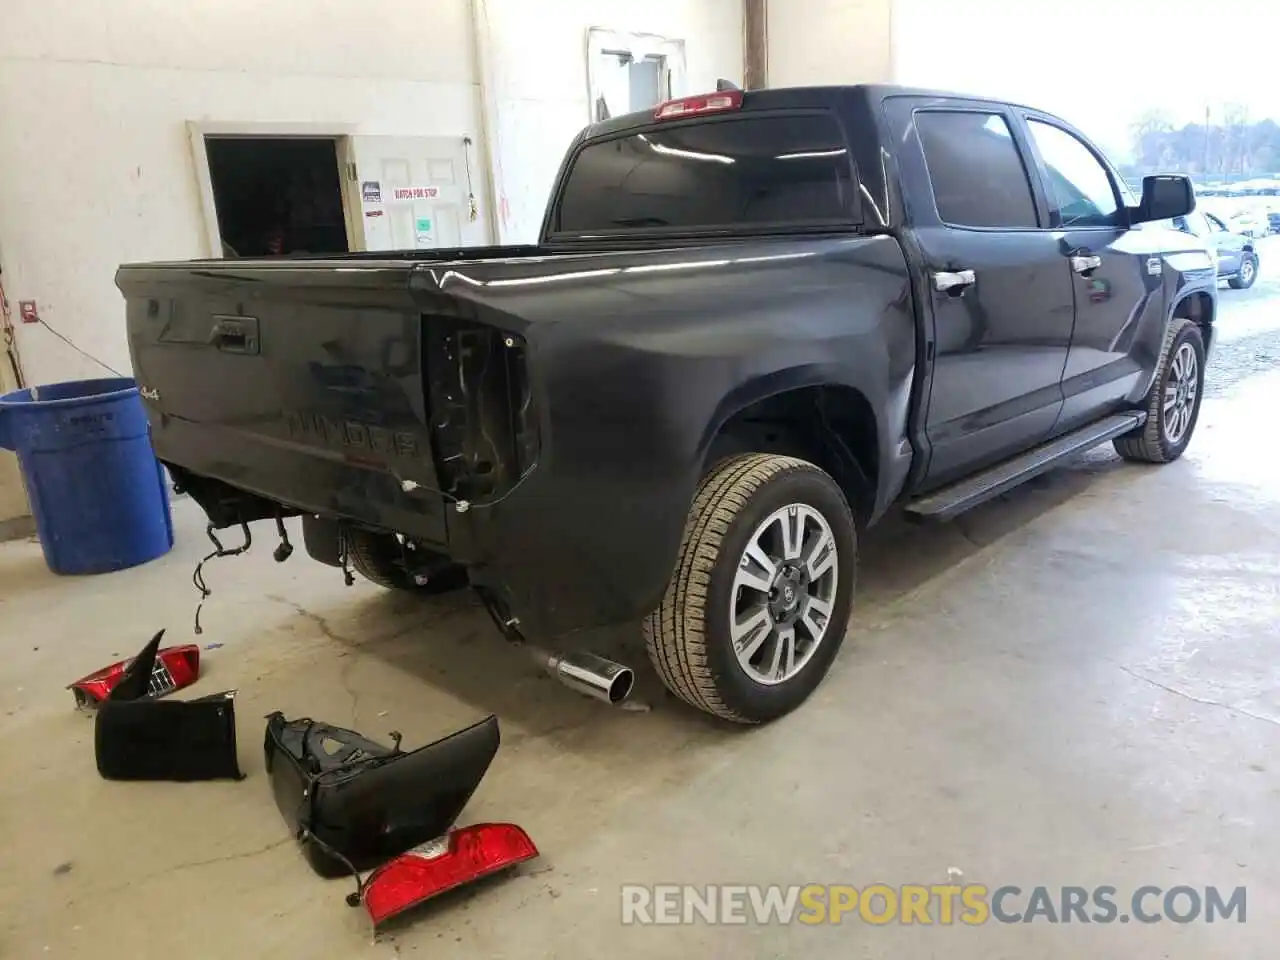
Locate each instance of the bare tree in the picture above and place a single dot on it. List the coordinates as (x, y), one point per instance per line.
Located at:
(1228, 143)
(1148, 133)
(1235, 123)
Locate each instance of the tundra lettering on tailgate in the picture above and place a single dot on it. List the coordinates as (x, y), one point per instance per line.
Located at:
(352, 434)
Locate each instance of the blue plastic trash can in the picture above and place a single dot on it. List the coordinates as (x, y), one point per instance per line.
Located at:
(97, 491)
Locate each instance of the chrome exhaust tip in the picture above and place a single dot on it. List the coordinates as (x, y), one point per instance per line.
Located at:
(587, 673)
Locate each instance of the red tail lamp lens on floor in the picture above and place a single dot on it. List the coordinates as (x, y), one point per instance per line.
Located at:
(460, 857)
(175, 668)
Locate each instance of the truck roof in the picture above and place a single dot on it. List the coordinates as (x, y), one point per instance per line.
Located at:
(869, 94)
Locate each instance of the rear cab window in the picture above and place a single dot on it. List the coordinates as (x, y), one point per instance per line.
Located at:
(976, 170)
(744, 171)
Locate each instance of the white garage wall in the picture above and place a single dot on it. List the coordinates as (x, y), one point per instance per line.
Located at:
(95, 164)
(814, 42)
(534, 55)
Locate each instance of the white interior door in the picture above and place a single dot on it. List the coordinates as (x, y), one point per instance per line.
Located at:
(412, 193)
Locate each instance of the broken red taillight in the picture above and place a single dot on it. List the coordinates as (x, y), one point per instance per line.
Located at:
(703, 103)
(175, 668)
(459, 857)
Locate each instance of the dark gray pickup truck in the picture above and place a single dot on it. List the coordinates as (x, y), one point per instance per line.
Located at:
(754, 324)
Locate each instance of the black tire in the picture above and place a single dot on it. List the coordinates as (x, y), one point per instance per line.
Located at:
(688, 636)
(378, 558)
(1151, 443)
(1246, 277)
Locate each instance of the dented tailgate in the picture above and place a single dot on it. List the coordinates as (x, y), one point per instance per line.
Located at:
(299, 381)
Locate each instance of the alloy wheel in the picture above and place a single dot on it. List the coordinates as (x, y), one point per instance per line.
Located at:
(783, 593)
(1180, 391)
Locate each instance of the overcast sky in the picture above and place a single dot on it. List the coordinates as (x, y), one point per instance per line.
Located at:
(1098, 64)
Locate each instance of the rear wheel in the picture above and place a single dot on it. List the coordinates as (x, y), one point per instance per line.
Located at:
(1173, 403)
(757, 607)
(389, 562)
(1248, 273)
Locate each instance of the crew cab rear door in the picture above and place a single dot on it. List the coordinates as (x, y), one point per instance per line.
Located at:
(1115, 272)
(1000, 305)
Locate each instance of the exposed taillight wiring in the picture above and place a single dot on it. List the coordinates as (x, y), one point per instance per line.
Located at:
(460, 504)
(197, 577)
(479, 426)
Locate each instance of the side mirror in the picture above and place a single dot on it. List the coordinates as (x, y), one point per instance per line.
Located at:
(1165, 197)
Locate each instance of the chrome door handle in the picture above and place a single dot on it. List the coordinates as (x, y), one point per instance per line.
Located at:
(946, 281)
(1083, 264)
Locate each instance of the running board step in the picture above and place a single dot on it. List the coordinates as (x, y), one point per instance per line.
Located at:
(946, 503)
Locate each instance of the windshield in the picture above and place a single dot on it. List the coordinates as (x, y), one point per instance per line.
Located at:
(749, 171)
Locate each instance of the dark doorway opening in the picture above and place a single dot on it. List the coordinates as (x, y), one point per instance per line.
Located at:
(277, 196)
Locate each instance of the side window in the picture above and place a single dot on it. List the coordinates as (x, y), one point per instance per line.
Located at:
(977, 173)
(1080, 190)
(1193, 223)
(1199, 225)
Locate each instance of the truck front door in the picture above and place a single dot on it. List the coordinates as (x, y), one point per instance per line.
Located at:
(1116, 272)
(999, 290)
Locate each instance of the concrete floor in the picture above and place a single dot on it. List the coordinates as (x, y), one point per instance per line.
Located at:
(1075, 685)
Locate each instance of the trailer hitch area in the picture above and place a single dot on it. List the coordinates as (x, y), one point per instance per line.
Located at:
(587, 673)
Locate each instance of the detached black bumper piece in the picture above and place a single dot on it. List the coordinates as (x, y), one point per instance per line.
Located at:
(139, 738)
(353, 803)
